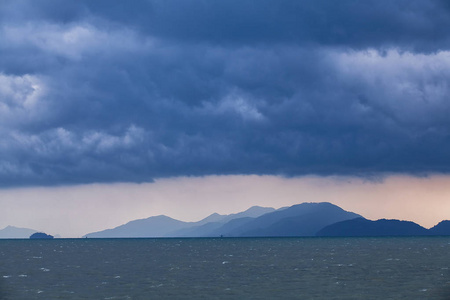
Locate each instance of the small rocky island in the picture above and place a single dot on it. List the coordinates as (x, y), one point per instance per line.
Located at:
(41, 235)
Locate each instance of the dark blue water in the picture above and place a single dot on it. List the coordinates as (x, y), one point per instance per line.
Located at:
(248, 268)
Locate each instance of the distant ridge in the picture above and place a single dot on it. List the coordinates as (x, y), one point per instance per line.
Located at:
(11, 232)
(157, 226)
(205, 229)
(443, 228)
(163, 226)
(305, 219)
(298, 220)
(364, 227)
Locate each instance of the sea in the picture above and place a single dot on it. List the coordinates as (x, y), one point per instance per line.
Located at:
(226, 268)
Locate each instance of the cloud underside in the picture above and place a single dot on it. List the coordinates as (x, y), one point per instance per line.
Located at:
(103, 92)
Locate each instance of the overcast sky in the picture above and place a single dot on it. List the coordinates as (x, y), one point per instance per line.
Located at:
(132, 92)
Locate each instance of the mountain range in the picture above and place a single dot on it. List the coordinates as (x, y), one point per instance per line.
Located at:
(163, 226)
(306, 219)
(11, 232)
(382, 227)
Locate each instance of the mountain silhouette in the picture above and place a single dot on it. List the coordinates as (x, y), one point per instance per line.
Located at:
(163, 226)
(305, 219)
(364, 227)
(157, 226)
(209, 229)
(11, 232)
(298, 220)
(443, 228)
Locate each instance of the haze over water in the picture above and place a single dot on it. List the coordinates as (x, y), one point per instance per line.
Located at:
(229, 268)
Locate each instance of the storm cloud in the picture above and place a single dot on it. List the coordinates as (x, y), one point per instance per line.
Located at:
(101, 91)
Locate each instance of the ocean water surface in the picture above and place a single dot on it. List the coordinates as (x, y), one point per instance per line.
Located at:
(228, 268)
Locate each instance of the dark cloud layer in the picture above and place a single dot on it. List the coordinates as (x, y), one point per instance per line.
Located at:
(101, 91)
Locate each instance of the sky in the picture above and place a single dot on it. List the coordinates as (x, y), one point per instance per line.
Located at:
(116, 106)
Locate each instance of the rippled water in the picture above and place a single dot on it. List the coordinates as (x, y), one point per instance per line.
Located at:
(247, 268)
